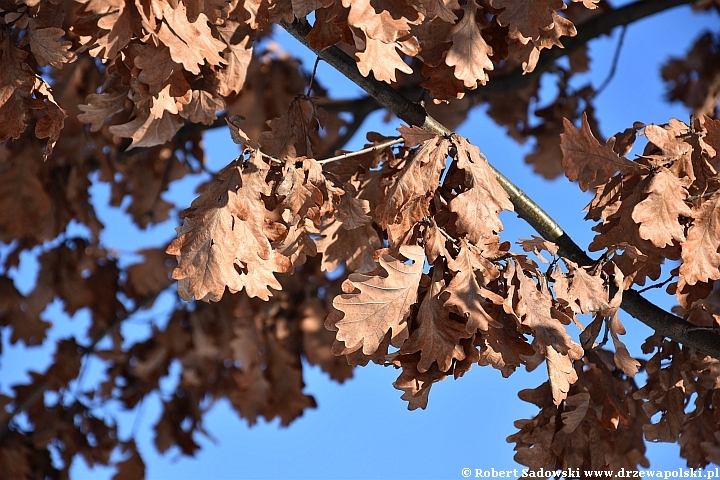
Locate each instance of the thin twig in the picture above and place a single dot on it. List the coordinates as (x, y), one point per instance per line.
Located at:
(312, 76)
(615, 59)
(374, 148)
(633, 303)
(656, 285)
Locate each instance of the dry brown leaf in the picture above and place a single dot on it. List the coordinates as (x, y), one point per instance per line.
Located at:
(437, 336)
(659, 213)
(415, 185)
(527, 18)
(222, 241)
(45, 47)
(469, 53)
(700, 252)
(477, 207)
(588, 162)
(381, 304)
(191, 44)
(466, 289)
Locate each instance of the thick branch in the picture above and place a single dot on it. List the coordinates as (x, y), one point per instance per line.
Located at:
(633, 303)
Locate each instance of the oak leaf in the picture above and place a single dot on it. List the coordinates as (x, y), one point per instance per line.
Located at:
(551, 338)
(115, 26)
(467, 292)
(354, 247)
(659, 213)
(527, 17)
(17, 82)
(222, 241)
(588, 162)
(478, 205)
(382, 59)
(152, 126)
(380, 303)
(701, 250)
(382, 26)
(469, 53)
(191, 43)
(437, 336)
(415, 185)
(415, 384)
(237, 55)
(45, 46)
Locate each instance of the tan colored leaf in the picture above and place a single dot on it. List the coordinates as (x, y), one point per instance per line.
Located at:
(536, 245)
(154, 126)
(700, 252)
(588, 162)
(382, 59)
(383, 26)
(191, 43)
(222, 241)
(658, 215)
(202, 107)
(45, 46)
(669, 140)
(469, 53)
(551, 338)
(381, 304)
(478, 205)
(49, 126)
(352, 212)
(236, 133)
(571, 419)
(437, 336)
(503, 348)
(237, 55)
(17, 81)
(586, 293)
(114, 27)
(354, 247)
(527, 17)
(466, 293)
(415, 136)
(102, 106)
(417, 182)
(156, 66)
(622, 357)
(415, 384)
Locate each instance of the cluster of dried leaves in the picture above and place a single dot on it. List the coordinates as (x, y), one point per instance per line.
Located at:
(408, 227)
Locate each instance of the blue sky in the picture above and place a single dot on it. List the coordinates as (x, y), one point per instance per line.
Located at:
(361, 429)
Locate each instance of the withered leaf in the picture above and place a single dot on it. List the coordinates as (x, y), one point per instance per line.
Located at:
(469, 53)
(45, 46)
(381, 304)
(466, 293)
(222, 241)
(437, 336)
(415, 185)
(700, 252)
(588, 162)
(659, 214)
(478, 206)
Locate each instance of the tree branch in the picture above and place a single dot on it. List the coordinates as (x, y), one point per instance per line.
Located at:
(633, 303)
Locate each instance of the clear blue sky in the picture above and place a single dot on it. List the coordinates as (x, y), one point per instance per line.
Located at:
(361, 429)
